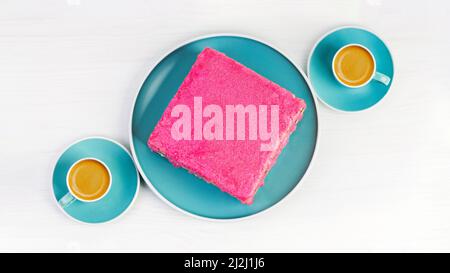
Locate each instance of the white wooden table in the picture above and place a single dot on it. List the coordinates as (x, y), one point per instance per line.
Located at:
(71, 69)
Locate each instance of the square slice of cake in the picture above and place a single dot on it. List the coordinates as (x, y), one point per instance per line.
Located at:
(226, 124)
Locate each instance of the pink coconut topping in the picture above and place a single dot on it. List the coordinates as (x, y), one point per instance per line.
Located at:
(239, 166)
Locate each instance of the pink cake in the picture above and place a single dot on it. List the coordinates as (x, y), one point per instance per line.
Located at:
(226, 155)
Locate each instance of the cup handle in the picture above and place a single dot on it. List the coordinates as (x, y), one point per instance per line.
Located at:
(66, 200)
(380, 77)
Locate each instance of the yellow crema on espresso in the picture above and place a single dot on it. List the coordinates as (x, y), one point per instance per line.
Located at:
(354, 65)
(89, 180)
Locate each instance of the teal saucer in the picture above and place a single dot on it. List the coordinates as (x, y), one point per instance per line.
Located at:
(188, 193)
(125, 179)
(328, 89)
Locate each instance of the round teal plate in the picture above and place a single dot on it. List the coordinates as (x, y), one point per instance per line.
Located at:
(328, 89)
(125, 179)
(185, 191)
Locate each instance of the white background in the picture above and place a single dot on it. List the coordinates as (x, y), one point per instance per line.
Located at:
(71, 69)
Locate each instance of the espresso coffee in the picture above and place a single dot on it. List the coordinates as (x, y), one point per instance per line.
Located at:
(354, 66)
(89, 180)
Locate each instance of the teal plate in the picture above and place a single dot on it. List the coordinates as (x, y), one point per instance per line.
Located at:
(124, 175)
(328, 89)
(185, 191)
